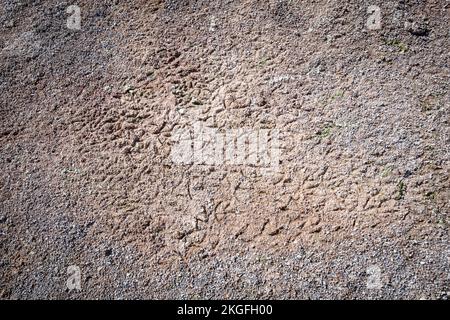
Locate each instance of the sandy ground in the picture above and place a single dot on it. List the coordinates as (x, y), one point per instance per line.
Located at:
(357, 205)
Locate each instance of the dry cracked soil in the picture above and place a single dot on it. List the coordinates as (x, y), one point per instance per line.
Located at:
(355, 203)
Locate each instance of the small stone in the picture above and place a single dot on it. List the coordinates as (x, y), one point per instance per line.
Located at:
(126, 150)
(314, 221)
(417, 29)
(128, 88)
(9, 24)
(316, 229)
